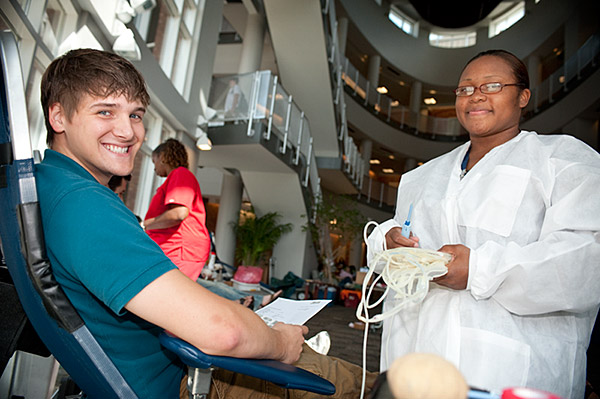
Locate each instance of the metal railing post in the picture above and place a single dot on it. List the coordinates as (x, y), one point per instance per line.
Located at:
(340, 85)
(287, 125)
(308, 162)
(402, 118)
(272, 108)
(297, 160)
(343, 118)
(253, 99)
(417, 124)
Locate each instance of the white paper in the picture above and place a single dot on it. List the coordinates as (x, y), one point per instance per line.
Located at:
(290, 311)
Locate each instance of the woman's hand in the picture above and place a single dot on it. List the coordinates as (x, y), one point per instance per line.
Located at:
(173, 216)
(395, 239)
(458, 268)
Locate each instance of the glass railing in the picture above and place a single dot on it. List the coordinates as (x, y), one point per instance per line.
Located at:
(379, 193)
(258, 96)
(375, 192)
(550, 90)
(390, 109)
(566, 77)
(353, 160)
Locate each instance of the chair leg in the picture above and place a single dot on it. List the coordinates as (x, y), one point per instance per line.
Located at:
(199, 382)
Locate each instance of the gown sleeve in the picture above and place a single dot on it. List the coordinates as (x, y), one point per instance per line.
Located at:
(560, 270)
(376, 240)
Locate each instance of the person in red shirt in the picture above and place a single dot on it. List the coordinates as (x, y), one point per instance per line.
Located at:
(176, 216)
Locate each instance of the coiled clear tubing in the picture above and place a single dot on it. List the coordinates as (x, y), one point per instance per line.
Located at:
(406, 272)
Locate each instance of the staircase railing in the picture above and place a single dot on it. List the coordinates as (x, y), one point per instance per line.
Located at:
(262, 98)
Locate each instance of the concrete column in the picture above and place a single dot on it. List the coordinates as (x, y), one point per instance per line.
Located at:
(529, 4)
(585, 130)
(252, 47)
(533, 66)
(410, 164)
(571, 35)
(416, 96)
(229, 211)
(374, 64)
(366, 148)
(205, 61)
(482, 34)
(342, 35)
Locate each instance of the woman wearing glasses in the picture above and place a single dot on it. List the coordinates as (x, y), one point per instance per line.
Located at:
(520, 213)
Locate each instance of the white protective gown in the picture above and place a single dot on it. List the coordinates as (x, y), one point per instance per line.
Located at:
(530, 213)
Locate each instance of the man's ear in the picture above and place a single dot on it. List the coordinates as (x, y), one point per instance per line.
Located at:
(57, 117)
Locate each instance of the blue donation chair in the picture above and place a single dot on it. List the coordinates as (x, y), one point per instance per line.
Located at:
(49, 310)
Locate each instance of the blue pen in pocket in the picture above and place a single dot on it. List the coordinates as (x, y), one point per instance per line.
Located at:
(406, 227)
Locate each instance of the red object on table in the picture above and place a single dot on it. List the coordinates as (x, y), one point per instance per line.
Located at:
(351, 298)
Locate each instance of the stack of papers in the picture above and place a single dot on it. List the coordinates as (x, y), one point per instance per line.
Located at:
(290, 311)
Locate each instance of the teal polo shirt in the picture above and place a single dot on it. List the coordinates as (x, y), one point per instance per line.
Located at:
(102, 258)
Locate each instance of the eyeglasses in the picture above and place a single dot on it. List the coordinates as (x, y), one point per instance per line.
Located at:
(486, 88)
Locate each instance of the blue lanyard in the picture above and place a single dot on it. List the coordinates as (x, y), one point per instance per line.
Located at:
(463, 165)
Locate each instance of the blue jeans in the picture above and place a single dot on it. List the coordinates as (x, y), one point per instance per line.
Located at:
(229, 292)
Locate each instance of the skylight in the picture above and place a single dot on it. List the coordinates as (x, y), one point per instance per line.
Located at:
(507, 19)
(408, 25)
(452, 40)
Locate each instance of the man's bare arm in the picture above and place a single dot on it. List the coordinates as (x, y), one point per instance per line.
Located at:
(214, 324)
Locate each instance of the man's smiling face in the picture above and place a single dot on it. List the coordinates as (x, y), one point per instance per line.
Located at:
(103, 135)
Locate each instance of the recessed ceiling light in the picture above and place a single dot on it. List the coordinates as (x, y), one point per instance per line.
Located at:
(374, 161)
(382, 90)
(430, 101)
(387, 170)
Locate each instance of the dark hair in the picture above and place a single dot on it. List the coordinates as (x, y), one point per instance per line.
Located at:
(173, 153)
(87, 71)
(116, 181)
(518, 67)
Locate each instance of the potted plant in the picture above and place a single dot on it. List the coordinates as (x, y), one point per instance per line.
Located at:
(256, 237)
(337, 215)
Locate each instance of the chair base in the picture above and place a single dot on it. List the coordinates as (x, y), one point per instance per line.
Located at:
(199, 382)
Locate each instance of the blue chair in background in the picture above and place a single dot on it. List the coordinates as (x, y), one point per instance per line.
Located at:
(49, 310)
